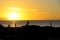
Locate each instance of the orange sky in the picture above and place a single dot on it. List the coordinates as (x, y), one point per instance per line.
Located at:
(31, 9)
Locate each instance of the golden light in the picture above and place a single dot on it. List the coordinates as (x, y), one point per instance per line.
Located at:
(13, 16)
(16, 13)
(14, 8)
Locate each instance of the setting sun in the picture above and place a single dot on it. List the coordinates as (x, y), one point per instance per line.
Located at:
(13, 16)
(13, 13)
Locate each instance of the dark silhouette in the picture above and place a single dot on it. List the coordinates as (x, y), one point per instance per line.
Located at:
(15, 25)
(30, 32)
(9, 25)
(51, 24)
(1, 26)
(27, 24)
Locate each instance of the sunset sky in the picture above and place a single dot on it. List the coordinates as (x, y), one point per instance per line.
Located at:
(30, 9)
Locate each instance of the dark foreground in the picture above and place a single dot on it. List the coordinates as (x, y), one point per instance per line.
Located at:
(30, 32)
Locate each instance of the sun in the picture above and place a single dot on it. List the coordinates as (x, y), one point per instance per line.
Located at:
(15, 13)
(13, 16)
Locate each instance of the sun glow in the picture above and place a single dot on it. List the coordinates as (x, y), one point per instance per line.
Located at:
(13, 13)
(17, 13)
(13, 16)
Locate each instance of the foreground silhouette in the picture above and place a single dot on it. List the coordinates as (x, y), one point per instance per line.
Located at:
(29, 32)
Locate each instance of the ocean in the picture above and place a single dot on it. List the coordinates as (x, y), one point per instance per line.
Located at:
(55, 23)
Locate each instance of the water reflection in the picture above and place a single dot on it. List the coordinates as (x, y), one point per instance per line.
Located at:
(32, 22)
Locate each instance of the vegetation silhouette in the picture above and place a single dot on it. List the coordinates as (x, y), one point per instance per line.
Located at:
(30, 32)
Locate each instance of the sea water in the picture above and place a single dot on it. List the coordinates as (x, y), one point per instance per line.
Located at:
(55, 23)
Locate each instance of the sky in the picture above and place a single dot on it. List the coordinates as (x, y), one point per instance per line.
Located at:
(31, 9)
